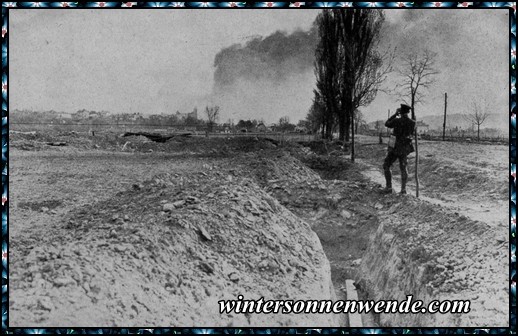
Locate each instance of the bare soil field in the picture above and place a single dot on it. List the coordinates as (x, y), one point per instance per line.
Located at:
(471, 179)
(125, 232)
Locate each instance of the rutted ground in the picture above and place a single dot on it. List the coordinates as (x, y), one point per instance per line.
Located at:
(204, 219)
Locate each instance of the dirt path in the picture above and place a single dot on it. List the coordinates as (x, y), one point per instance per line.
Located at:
(467, 178)
(491, 212)
(449, 242)
(443, 245)
(394, 245)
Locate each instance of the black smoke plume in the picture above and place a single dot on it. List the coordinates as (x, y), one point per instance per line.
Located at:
(267, 77)
(274, 58)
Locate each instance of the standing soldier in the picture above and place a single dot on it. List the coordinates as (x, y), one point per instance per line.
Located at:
(403, 130)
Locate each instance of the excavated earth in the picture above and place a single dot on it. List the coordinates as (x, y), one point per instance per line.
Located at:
(451, 243)
(125, 232)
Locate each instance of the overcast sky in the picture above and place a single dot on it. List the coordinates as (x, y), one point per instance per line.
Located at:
(161, 61)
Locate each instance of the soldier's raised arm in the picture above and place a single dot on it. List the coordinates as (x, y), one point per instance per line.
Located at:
(390, 123)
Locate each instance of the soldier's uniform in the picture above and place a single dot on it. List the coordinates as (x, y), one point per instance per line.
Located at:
(403, 130)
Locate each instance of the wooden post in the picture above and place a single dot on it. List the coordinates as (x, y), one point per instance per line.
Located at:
(416, 154)
(416, 164)
(444, 123)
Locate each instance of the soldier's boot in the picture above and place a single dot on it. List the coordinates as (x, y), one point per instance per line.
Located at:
(387, 190)
(404, 178)
(388, 181)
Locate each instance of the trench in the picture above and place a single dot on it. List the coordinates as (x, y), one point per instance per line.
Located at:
(472, 253)
(398, 245)
(346, 241)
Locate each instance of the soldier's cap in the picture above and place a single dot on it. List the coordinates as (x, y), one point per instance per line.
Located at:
(405, 108)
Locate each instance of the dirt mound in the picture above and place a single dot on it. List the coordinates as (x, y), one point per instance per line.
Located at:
(165, 252)
(288, 180)
(38, 141)
(111, 140)
(438, 176)
(422, 250)
(324, 147)
(213, 146)
(460, 169)
(272, 167)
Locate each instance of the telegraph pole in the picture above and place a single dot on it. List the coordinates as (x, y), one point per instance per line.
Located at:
(444, 123)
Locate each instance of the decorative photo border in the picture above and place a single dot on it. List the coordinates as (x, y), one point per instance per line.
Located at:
(7, 6)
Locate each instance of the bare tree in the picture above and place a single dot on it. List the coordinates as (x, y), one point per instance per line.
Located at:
(284, 120)
(362, 67)
(379, 130)
(285, 125)
(359, 120)
(477, 116)
(316, 115)
(348, 65)
(326, 69)
(417, 74)
(212, 116)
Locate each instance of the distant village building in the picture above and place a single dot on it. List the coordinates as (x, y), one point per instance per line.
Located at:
(183, 116)
(64, 115)
(261, 127)
(301, 129)
(226, 128)
(376, 126)
(422, 127)
(133, 117)
(85, 114)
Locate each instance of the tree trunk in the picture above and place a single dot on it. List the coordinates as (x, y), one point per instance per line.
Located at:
(341, 127)
(329, 129)
(416, 150)
(352, 137)
(347, 125)
(329, 115)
